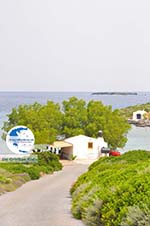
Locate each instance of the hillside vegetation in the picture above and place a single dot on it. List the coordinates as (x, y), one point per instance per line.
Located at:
(10, 181)
(115, 191)
(13, 175)
(128, 111)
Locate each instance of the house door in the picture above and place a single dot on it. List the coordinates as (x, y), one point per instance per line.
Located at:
(138, 116)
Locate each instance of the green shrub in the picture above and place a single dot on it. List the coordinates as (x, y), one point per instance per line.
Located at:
(9, 181)
(34, 172)
(116, 183)
(93, 214)
(136, 216)
(49, 159)
(47, 163)
(5, 180)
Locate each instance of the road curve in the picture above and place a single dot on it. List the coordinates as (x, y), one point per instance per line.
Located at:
(44, 202)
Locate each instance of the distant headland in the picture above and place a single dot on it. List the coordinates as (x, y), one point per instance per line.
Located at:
(115, 93)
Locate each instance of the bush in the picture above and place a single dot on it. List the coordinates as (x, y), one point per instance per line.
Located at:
(93, 215)
(137, 217)
(116, 184)
(47, 163)
(4, 180)
(49, 159)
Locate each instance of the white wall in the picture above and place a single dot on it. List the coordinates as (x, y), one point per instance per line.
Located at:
(80, 146)
(136, 113)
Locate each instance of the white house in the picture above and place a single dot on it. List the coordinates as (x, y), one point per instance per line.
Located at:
(138, 115)
(84, 147)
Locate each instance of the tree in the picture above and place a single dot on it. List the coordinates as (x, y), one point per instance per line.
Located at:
(113, 125)
(74, 117)
(44, 120)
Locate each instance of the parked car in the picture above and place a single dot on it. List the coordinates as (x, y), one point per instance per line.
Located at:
(114, 153)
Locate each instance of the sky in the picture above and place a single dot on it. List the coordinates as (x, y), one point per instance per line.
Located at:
(74, 45)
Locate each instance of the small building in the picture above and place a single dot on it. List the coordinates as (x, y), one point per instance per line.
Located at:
(138, 115)
(79, 147)
(84, 147)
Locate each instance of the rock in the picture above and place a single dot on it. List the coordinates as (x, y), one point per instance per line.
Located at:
(140, 123)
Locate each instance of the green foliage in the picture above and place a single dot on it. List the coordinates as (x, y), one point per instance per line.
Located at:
(9, 181)
(114, 126)
(137, 217)
(4, 180)
(13, 175)
(74, 118)
(80, 118)
(113, 189)
(17, 168)
(45, 121)
(93, 216)
(47, 163)
(49, 159)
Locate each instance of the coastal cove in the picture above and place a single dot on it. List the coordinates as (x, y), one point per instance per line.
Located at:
(138, 138)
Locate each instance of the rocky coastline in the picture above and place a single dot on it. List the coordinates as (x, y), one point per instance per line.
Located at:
(140, 123)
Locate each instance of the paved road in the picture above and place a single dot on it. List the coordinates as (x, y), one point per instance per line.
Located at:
(44, 202)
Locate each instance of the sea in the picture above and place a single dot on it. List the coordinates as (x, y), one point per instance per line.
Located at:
(138, 137)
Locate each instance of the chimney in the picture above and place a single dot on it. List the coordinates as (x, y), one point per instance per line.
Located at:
(100, 133)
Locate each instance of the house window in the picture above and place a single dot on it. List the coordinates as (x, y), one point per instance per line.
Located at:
(90, 145)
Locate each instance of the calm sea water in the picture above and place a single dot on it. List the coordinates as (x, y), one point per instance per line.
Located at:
(138, 138)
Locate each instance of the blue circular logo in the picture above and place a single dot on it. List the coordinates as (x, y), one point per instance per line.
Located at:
(20, 140)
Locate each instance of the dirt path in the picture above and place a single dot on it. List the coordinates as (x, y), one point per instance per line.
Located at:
(44, 202)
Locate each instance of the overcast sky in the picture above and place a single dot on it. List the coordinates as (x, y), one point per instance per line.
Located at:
(74, 45)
